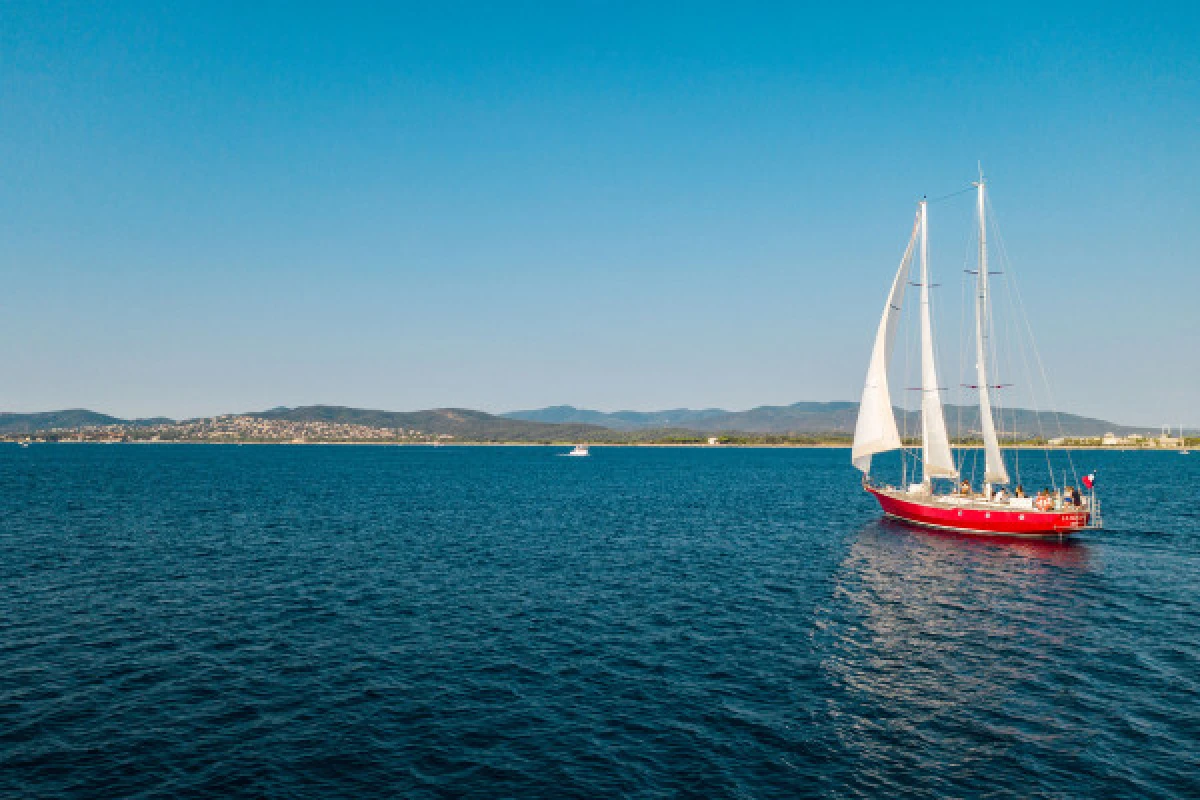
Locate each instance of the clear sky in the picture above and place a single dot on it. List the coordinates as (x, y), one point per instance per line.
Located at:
(212, 207)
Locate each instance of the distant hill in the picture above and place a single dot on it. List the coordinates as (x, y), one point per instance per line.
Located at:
(809, 418)
(460, 423)
(621, 420)
(1022, 422)
(16, 423)
(566, 423)
(798, 418)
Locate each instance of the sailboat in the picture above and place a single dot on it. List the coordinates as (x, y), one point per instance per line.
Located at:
(990, 511)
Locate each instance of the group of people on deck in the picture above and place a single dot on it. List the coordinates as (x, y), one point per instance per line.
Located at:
(1070, 495)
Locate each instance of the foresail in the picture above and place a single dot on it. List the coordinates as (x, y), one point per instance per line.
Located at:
(994, 470)
(937, 459)
(875, 431)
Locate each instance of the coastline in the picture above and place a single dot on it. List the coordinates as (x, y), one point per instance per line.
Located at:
(695, 445)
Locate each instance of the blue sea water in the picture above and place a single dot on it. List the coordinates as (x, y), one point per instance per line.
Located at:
(271, 621)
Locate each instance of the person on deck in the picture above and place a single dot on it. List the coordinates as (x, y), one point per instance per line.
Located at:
(1075, 498)
(964, 488)
(1020, 490)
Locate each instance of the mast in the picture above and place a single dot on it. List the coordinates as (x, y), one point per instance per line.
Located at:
(875, 430)
(994, 471)
(937, 460)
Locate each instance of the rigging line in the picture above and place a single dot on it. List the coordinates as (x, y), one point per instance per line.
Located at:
(970, 188)
(972, 240)
(1037, 354)
(996, 400)
(1025, 361)
(1008, 366)
(962, 330)
(936, 359)
(904, 418)
(1049, 395)
(905, 316)
(918, 423)
(1010, 337)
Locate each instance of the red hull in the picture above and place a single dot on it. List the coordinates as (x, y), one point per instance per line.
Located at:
(1015, 522)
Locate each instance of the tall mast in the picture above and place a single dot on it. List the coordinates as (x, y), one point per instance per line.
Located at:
(937, 460)
(994, 471)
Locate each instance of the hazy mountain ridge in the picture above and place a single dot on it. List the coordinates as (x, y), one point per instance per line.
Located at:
(563, 423)
(461, 423)
(832, 417)
(12, 422)
(619, 420)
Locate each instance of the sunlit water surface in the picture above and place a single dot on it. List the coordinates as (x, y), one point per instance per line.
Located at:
(216, 621)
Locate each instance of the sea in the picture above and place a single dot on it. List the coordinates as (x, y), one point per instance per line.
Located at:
(220, 621)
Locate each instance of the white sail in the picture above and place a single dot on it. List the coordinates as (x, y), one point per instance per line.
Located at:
(937, 460)
(875, 431)
(994, 471)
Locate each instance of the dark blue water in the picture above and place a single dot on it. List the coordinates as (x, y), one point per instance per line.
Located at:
(211, 621)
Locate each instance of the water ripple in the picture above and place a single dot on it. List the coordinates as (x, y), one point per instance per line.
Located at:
(374, 622)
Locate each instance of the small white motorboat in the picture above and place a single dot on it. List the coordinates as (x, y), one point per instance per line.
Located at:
(580, 450)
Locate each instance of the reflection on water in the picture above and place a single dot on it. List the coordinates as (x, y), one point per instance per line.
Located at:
(381, 622)
(1065, 552)
(936, 645)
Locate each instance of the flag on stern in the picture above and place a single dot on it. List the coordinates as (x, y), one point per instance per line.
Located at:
(1089, 480)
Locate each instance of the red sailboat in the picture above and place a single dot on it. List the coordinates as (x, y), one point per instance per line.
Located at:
(991, 509)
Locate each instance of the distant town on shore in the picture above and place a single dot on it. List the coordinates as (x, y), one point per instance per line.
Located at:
(800, 424)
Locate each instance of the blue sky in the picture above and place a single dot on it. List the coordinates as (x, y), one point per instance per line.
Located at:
(219, 207)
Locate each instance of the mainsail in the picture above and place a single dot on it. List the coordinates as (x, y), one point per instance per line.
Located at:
(937, 460)
(994, 471)
(875, 431)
